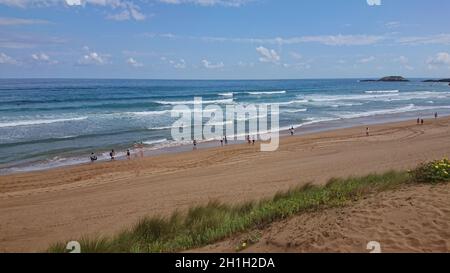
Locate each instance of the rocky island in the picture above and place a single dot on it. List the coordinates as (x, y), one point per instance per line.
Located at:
(388, 79)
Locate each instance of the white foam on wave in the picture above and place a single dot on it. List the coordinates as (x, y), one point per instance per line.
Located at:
(291, 102)
(382, 92)
(295, 110)
(149, 113)
(222, 101)
(404, 109)
(228, 94)
(327, 98)
(420, 95)
(386, 97)
(153, 142)
(267, 92)
(38, 122)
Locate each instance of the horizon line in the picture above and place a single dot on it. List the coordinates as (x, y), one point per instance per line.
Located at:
(200, 79)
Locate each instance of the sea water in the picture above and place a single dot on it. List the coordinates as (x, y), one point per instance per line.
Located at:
(53, 122)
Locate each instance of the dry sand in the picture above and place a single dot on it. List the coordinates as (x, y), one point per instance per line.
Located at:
(39, 208)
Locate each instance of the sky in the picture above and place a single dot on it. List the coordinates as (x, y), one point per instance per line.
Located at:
(224, 39)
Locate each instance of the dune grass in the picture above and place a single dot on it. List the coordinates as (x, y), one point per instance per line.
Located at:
(215, 221)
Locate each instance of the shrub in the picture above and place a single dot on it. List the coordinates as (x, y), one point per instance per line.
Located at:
(432, 172)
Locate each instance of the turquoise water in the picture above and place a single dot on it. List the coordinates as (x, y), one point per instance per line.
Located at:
(47, 123)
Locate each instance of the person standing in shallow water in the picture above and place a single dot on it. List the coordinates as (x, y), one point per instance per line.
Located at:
(112, 154)
(93, 158)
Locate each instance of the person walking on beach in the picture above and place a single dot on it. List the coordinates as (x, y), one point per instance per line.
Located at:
(367, 131)
(248, 140)
(253, 140)
(93, 158)
(136, 148)
(422, 121)
(418, 121)
(141, 149)
(112, 154)
(128, 154)
(195, 144)
(435, 115)
(221, 142)
(292, 130)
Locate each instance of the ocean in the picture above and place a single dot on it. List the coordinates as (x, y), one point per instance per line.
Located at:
(47, 123)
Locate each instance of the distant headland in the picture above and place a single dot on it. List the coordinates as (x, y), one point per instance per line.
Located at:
(388, 79)
(441, 80)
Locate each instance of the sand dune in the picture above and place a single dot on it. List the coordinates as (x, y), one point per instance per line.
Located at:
(412, 219)
(39, 208)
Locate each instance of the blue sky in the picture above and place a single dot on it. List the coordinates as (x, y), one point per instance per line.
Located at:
(224, 39)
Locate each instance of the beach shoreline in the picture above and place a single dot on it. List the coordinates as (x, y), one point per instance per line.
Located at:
(43, 207)
(314, 127)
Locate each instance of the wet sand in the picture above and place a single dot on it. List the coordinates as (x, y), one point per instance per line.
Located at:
(39, 208)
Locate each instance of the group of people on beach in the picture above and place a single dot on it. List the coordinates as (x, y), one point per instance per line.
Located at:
(421, 121)
(251, 140)
(224, 140)
(112, 154)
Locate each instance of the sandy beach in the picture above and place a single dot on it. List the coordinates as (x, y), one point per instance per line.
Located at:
(40, 208)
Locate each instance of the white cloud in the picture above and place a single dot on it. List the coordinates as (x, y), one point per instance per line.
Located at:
(43, 58)
(5, 59)
(74, 2)
(128, 9)
(181, 64)
(246, 64)
(9, 21)
(330, 40)
(208, 65)
(439, 60)
(374, 2)
(296, 56)
(392, 24)
(93, 58)
(131, 61)
(443, 39)
(131, 11)
(178, 64)
(227, 3)
(404, 61)
(341, 40)
(366, 60)
(268, 55)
